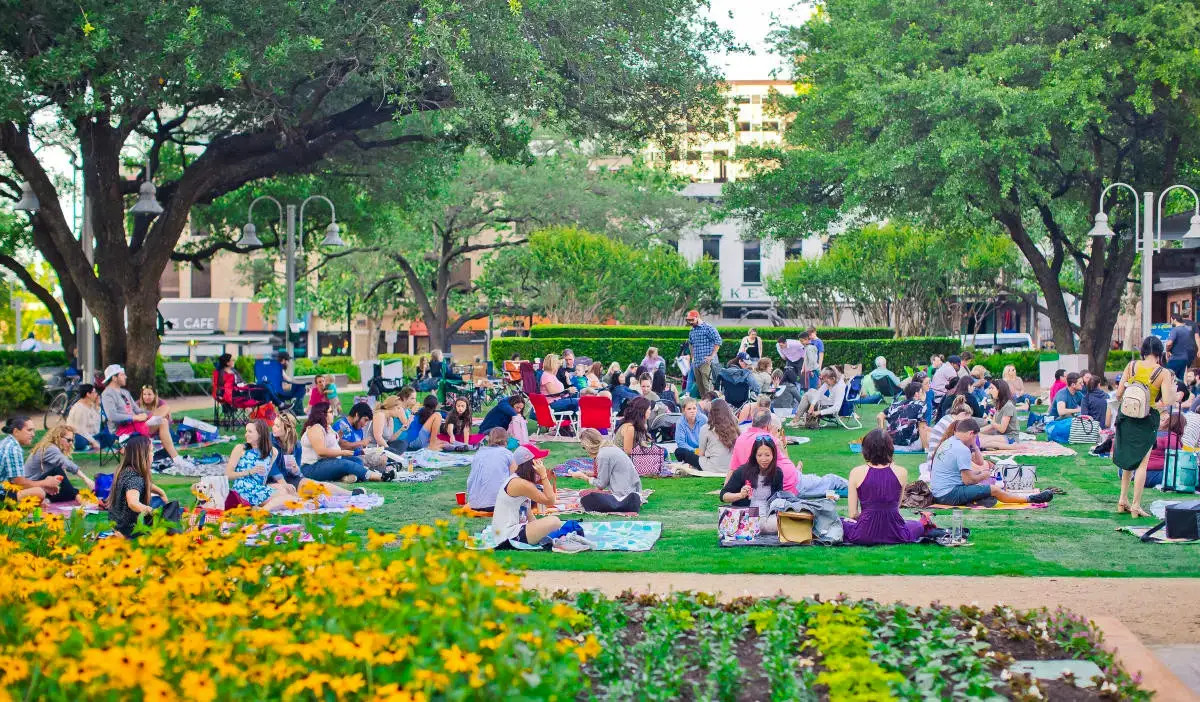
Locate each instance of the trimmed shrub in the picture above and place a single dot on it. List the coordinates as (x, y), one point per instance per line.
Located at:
(1117, 360)
(330, 365)
(21, 388)
(33, 359)
(1026, 363)
(898, 352)
(244, 365)
(618, 331)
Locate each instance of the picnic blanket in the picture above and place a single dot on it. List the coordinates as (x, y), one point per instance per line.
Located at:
(856, 447)
(416, 476)
(772, 540)
(567, 502)
(437, 459)
(999, 505)
(587, 465)
(686, 469)
(1048, 449)
(472, 439)
(337, 503)
(64, 509)
(194, 469)
(1159, 538)
(607, 536)
(277, 533)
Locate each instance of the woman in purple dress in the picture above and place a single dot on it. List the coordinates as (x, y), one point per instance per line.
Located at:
(874, 498)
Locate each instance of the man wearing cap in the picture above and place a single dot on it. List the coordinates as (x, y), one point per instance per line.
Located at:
(945, 374)
(490, 468)
(705, 342)
(125, 419)
(955, 478)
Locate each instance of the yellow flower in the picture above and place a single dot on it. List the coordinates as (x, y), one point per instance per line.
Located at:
(393, 693)
(455, 660)
(347, 685)
(509, 607)
(376, 541)
(198, 687)
(589, 649)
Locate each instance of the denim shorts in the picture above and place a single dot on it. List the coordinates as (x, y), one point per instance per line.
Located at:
(964, 495)
(421, 441)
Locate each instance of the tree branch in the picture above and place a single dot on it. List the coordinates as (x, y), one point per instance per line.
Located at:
(65, 329)
(337, 255)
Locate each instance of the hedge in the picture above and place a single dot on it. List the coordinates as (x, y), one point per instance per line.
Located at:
(898, 352)
(33, 359)
(21, 388)
(617, 331)
(1026, 362)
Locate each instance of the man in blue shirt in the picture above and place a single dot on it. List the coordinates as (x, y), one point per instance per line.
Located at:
(351, 430)
(956, 480)
(705, 342)
(1066, 402)
(1182, 343)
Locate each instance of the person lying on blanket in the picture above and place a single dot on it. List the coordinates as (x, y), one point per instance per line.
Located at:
(530, 483)
(956, 480)
(614, 472)
(490, 468)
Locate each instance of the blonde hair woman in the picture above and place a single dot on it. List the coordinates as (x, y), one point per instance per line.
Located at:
(286, 434)
(388, 425)
(51, 456)
(653, 361)
(560, 396)
(1016, 386)
(614, 472)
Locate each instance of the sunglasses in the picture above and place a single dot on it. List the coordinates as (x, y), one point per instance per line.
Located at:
(764, 439)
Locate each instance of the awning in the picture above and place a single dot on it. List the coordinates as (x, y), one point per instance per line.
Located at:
(418, 328)
(1181, 283)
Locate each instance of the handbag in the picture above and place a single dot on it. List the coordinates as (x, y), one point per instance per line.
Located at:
(916, 494)
(795, 527)
(1016, 478)
(738, 523)
(1059, 430)
(1084, 430)
(649, 461)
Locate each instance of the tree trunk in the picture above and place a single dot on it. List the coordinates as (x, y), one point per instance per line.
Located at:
(143, 333)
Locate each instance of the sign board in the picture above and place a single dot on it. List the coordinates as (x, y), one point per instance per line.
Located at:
(206, 316)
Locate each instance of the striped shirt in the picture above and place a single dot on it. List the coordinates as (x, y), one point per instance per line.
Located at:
(937, 432)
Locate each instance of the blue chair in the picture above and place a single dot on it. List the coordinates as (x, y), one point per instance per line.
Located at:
(107, 439)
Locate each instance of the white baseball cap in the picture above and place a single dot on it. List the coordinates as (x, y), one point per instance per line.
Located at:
(112, 370)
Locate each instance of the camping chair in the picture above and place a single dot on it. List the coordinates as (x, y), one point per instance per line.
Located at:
(736, 394)
(887, 388)
(229, 408)
(107, 439)
(548, 419)
(595, 412)
(845, 417)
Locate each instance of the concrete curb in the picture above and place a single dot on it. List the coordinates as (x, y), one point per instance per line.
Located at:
(1134, 657)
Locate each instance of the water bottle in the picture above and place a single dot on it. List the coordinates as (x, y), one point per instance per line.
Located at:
(956, 530)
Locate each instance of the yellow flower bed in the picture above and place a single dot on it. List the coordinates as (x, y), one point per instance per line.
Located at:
(203, 616)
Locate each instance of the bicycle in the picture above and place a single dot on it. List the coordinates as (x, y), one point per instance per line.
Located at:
(60, 403)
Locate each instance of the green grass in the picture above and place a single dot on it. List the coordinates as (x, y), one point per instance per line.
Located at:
(1075, 536)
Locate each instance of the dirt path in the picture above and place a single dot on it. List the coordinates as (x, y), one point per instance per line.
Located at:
(1161, 611)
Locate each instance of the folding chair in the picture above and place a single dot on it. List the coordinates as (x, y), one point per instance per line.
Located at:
(595, 412)
(229, 408)
(548, 419)
(529, 383)
(845, 417)
(886, 387)
(736, 394)
(107, 439)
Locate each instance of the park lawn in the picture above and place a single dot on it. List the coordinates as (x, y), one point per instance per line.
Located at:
(1076, 536)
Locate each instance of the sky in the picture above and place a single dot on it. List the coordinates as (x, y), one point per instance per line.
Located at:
(751, 22)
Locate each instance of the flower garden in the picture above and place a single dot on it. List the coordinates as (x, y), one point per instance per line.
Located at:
(231, 611)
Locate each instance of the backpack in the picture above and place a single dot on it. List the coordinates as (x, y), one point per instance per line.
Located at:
(1135, 401)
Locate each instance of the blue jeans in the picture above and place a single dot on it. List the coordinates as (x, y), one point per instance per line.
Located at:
(330, 469)
(1178, 366)
(929, 405)
(964, 495)
(620, 394)
(421, 441)
(869, 399)
(566, 404)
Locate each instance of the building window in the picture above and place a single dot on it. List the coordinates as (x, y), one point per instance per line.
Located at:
(202, 280)
(168, 284)
(795, 249)
(712, 249)
(743, 126)
(756, 99)
(751, 263)
(693, 155)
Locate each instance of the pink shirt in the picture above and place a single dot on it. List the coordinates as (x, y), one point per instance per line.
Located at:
(944, 374)
(550, 385)
(741, 454)
(792, 351)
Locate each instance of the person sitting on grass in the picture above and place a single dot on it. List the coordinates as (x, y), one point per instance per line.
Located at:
(747, 411)
(763, 375)
(1095, 401)
(530, 483)
(615, 474)
(286, 469)
(351, 430)
(85, 417)
(904, 418)
(458, 425)
(440, 368)
(249, 469)
(133, 490)
(150, 403)
(787, 391)
(752, 483)
(1002, 430)
(508, 410)
(20, 433)
(687, 433)
(389, 422)
(321, 456)
(425, 427)
(319, 393)
(124, 417)
(1017, 387)
(960, 387)
(717, 438)
(51, 457)
(764, 423)
(632, 432)
(873, 504)
(957, 480)
(959, 409)
(490, 468)
(825, 400)
(595, 376)
(1060, 382)
(1066, 402)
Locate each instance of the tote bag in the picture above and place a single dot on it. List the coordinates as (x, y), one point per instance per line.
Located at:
(649, 461)
(1084, 430)
(738, 523)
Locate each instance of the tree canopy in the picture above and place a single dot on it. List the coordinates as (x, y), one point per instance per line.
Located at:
(1000, 113)
(239, 91)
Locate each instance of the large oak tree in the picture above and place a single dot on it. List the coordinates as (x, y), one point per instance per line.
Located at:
(237, 91)
(1006, 113)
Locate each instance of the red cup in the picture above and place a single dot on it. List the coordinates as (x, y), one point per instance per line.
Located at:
(460, 498)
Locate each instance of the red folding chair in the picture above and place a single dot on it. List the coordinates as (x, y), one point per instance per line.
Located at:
(595, 412)
(548, 419)
(231, 408)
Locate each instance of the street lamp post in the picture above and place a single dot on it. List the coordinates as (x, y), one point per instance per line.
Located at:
(1150, 230)
(294, 246)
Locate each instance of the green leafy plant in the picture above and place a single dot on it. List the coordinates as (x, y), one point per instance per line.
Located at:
(581, 331)
(21, 388)
(33, 359)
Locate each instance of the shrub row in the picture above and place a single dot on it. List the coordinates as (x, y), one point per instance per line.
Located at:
(898, 352)
(1026, 362)
(20, 388)
(618, 331)
(33, 359)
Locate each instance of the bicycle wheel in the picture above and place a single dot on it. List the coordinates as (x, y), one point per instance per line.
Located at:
(56, 412)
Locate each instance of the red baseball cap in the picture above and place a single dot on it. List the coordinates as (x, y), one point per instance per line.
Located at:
(693, 314)
(535, 451)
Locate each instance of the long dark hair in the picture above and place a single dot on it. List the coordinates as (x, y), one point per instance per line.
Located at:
(750, 468)
(263, 445)
(722, 423)
(659, 384)
(459, 418)
(634, 413)
(526, 471)
(1003, 392)
(428, 406)
(962, 387)
(318, 414)
(136, 457)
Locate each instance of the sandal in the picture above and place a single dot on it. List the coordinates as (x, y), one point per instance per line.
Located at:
(1137, 512)
(1122, 508)
(1055, 490)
